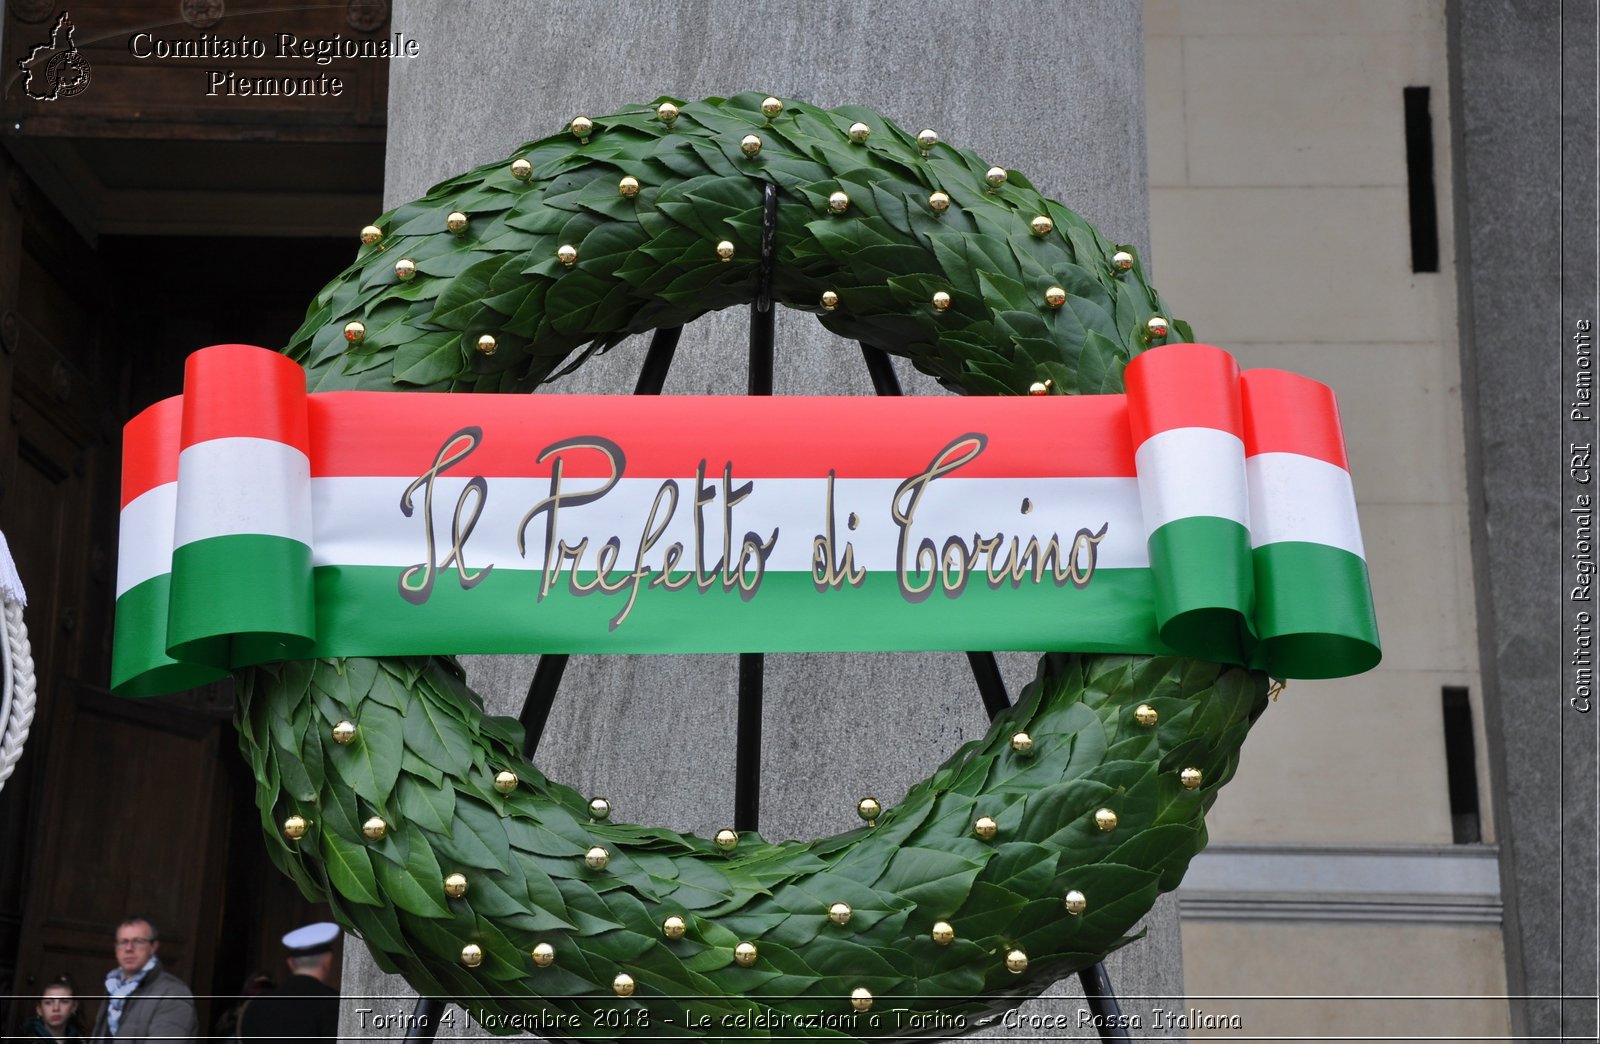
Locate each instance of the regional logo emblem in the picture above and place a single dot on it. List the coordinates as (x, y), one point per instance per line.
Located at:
(56, 69)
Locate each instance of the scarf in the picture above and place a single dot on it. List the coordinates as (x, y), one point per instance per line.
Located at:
(118, 989)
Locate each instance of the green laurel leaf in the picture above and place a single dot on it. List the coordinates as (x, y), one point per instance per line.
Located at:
(350, 869)
(370, 764)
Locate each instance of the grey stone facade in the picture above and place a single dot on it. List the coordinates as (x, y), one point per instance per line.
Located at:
(1523, 91)
(1055, 91)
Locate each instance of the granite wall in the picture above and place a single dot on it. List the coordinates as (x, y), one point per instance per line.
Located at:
(1523, 86)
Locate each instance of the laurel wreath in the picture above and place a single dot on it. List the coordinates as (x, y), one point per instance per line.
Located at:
(1020, 860)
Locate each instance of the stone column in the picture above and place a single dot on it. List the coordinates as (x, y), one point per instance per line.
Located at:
(1522, 84)
(1055, 91)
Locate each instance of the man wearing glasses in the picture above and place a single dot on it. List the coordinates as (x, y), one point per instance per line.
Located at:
(145, 1001)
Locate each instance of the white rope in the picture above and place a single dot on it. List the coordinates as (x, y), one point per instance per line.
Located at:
(16, 666)
(17, 687)
(10, 583)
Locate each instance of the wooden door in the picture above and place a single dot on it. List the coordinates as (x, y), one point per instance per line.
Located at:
(121, 806)
(115, 806)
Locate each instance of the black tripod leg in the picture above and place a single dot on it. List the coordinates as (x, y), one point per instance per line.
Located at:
(541, 697)
(547, 676)
(752, 666)
(1103, 1003)
(986, 671)
(425, 1019)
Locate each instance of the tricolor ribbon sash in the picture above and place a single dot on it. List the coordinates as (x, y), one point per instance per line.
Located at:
(1207, 513)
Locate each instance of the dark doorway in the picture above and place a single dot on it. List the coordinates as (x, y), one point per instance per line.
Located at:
(139, 222)
(129, 805)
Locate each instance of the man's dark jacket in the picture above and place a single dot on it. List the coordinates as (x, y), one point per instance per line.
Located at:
(301, 1009)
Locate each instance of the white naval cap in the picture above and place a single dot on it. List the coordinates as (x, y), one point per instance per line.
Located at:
(312, 939)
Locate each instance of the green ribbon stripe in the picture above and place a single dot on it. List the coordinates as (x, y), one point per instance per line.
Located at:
(247, 600)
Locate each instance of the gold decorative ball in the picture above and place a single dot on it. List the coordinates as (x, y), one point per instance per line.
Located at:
(371, 235)
(544, 955)
(405, 269)
(374, 829)
(1041, 226)
(344, 732)
(487, 345)
(622, 985)
(943, 934)
(941, 301)
(927, 140)
(596, 858)
(750, 144)
(1122, 260)
(505, 781)
(861, 998)
(674, 927)
(996, 176)
(1016, 962)
(582, 127)
(726, 839)
(1074, 902)
(725, 250)
(455, 886)
(567, 254)
(986, 828)
(1145, 715)
(1105, 819)
(860, 132)
(521, 169)
(830, 300)
(472, 955)
(869, 808)
(599, 808)
(1157, 326)
(456, 222)
(1039, 388)
(667, 113)
(939, 202)
(1022, 743)
(745, 954)
(355, 331)
(1055, 296)
(295, 827)
(628, 187)
(770, 107)
(838, 202)
(839, 914)
(1190, 778)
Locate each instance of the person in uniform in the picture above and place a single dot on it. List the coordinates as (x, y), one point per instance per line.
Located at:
(306, 1004)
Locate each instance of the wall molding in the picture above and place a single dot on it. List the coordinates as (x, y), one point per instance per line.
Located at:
(1426, 884)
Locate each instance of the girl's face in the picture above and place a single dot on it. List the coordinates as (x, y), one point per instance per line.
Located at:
(56, 1006)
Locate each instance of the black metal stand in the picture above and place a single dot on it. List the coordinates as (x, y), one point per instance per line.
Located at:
(547, 675)
(425, 1019)
(747, 759)
(752, 666)
(1102, 1002)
